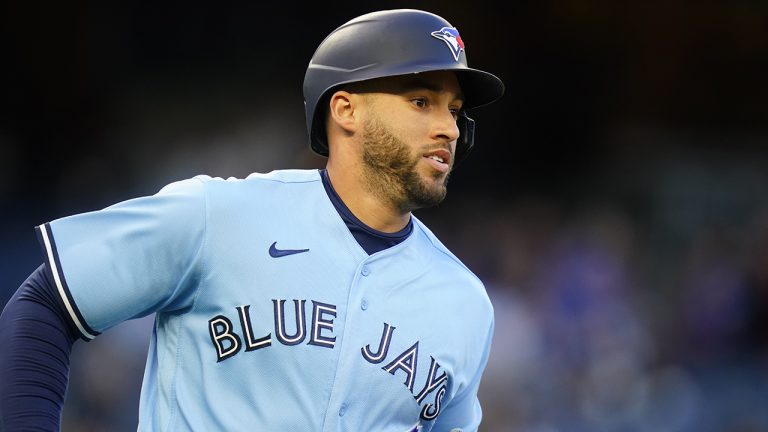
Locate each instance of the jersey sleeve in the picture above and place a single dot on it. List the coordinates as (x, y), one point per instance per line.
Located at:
(130, 259)
(463, 413)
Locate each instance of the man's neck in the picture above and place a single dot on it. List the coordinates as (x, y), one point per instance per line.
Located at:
(372, 210)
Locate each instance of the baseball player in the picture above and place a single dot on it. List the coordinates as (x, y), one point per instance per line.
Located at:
(295, 300)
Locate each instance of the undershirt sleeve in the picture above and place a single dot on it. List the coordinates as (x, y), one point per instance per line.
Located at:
(36, 336)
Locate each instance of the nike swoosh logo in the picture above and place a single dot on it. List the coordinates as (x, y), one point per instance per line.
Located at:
(274, 252)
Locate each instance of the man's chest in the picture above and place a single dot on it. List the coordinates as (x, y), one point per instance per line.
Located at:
(361, 337)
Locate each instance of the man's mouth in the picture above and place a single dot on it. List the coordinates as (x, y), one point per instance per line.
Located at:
(439, 159)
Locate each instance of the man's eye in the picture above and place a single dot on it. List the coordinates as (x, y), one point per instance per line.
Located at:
(421, 103)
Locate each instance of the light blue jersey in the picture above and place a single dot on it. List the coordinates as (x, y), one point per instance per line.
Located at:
(270, 316)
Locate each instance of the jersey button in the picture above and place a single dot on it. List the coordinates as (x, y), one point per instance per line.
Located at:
(364, 305)
(343, 410)
(366, 271)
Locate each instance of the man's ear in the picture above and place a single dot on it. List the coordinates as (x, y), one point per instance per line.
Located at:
(342, 111)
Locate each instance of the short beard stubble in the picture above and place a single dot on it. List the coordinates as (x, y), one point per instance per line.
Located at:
(389, 168)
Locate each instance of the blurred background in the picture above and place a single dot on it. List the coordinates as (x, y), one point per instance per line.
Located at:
(616, 205)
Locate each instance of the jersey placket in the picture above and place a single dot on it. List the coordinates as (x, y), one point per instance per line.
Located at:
(351, 387)
(340, 400)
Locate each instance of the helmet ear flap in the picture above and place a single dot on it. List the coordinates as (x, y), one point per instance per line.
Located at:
(466, 136)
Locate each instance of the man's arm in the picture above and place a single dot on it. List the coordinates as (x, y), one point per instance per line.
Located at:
(36, 337)
(463, 413)
(145, 250)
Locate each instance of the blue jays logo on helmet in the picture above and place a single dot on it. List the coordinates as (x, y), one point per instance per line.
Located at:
(451, 37)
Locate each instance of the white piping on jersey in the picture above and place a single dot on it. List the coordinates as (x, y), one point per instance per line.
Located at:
(59, 286)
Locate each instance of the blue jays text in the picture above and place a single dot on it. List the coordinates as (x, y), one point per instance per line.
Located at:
(229, 343)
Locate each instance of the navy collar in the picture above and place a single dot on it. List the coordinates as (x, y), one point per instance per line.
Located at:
(370, 240)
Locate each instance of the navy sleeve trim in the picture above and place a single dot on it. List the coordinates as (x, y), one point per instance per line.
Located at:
(45, 236)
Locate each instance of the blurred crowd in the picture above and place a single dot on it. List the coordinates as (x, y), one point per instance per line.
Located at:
(610, 319)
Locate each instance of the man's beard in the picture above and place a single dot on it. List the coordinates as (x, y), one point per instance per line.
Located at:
(390, 170)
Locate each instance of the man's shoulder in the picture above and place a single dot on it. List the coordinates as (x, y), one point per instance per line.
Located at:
(287, 176)
(205, 185)
(219, 186)
(445, 258)
(280, 186)
(276, 176)
(459, 282)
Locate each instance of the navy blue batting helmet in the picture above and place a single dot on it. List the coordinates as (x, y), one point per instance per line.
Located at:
(390, 43)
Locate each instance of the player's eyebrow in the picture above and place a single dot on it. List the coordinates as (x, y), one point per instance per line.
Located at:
(419, 84)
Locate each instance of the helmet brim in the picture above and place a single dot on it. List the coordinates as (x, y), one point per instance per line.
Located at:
(479, 87)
